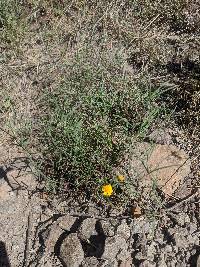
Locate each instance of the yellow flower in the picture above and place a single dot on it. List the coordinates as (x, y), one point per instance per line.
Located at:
(121, 178)
(107, 190)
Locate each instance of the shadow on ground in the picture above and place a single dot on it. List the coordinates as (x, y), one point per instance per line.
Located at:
(4, 260)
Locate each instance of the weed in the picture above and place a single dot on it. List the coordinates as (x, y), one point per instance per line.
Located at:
(85, 126)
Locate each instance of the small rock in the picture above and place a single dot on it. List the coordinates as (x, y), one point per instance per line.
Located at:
(123, 230)
(94, 211)
(181, 219)
(161, 136)
(66, 222)
(168, 248)
(193, 239)
(193, 227)
(140, 256)
(87, 229)
(71, 251)
(181, 241)
(90, 261)
(175, 249)
(114, 245)
(171, 231)
(141, 226)
(108, 228)
(187, 218)
(193, 252)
